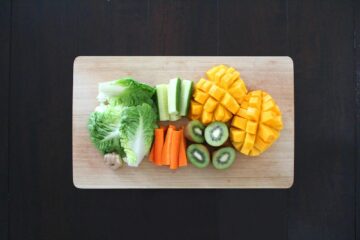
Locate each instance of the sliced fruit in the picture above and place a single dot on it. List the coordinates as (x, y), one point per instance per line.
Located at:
(223, 158)
(185, 96)
(259, 122)
(224, 88)
(198, 155)
(194, 131)
(210, 105)
(216, 134)
(174, 96)
(206, 117)
(162, 101)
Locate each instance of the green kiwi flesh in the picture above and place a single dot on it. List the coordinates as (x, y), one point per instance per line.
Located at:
(216, 134)
(198, 155)
(194, 131)
(223, 158)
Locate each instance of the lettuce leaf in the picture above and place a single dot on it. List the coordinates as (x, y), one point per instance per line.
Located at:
(137, 132)
(104, 129)
(125, 91)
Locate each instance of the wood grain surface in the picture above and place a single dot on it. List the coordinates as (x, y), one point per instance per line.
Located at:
(272, 169)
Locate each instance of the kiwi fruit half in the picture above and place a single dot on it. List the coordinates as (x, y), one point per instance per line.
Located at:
(198, 155)
(194, 131)
(216, 134)
(223, 157)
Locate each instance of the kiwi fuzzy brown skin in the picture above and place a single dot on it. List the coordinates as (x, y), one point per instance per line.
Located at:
(192, 135)
(224, 134)
(199, 149)
(216, 155)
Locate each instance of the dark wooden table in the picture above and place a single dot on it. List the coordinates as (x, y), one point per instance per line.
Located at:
(38, 43)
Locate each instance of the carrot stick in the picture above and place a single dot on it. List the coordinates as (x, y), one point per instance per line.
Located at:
(151, 154)
(182, 153)
(172, 127)
(165, 158)
(159, 143)
(174, 149)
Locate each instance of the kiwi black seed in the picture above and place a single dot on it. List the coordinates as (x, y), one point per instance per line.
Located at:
(223, 158)
(194, 131)
(216, 134)
(198, 155)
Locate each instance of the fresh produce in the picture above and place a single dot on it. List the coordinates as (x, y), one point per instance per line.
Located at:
(162, 100)
(170, 152)
(175, 149)
(126, 92)
(124, 121)
(158, 145)
(174, 96)
(219, 97)
(194, 131)
(198, 155)
(174, 99)
(223, 158)
(104, 128)
(185, 93)
(137, 125)
(182, 153)
(257, 124)
(216, 134)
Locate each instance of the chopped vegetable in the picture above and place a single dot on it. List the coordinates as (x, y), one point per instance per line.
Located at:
(185, 93)
(175, 149)
(165, 158)
(158, 143)
(182, 153)
(162, 101)
(174, 96)
(151, 154)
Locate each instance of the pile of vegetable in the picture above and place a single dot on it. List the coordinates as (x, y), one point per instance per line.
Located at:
(173, 99)
(169, 148)
(123, 126)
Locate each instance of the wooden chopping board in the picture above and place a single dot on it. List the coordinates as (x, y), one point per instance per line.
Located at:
(273, 169)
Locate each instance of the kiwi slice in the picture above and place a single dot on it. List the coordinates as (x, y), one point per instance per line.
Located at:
(198, 155)
(216, 134)
(223, 158)
(194, 131)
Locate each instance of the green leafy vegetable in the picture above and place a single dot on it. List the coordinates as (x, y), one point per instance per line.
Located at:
(137, 131)
(104, 129)
(125, 91)
(124, 121)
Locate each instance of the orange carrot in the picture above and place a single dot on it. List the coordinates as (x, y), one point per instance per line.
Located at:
(182, 153)
(165, 158)
(151, 154)
(159, 143)
(174, 149)
(172, 127)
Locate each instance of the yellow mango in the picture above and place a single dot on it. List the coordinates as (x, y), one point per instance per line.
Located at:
(195, 108)
(216, 92)
(219, 113)
(210, 104)
(230, 103)
(237, 135)
(260, 119)
(200, 96)
(206, 117)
